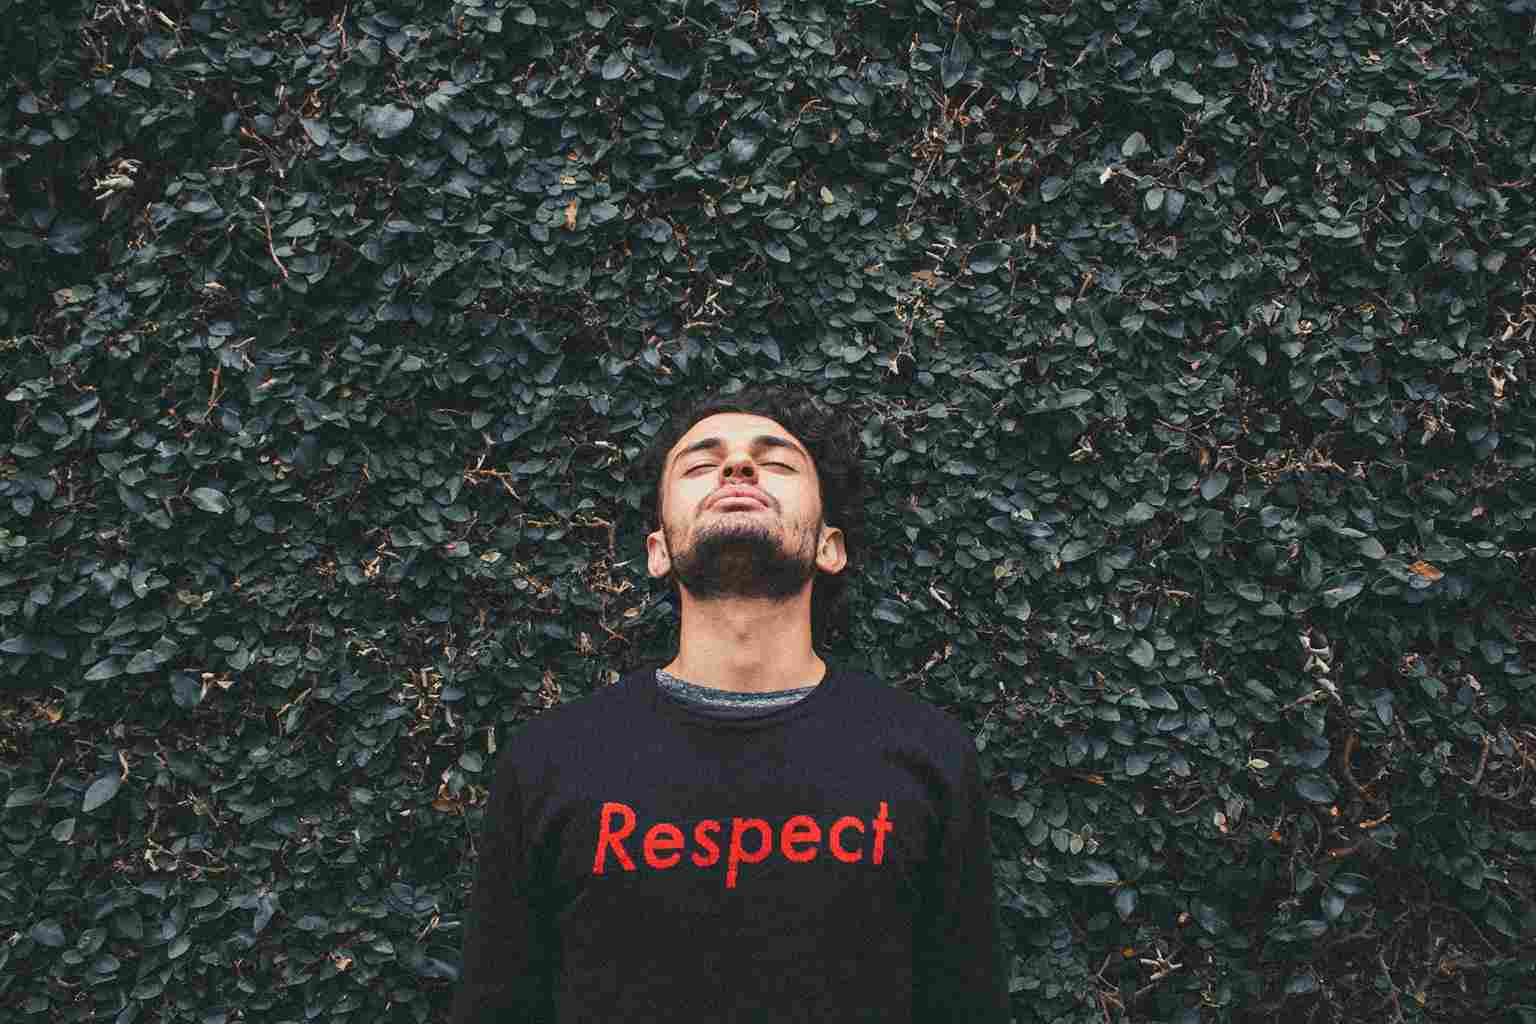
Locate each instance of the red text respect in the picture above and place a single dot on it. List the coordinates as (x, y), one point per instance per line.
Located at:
(752, 840)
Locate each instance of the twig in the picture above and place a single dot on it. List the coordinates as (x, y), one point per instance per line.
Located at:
(1397, 1006)
(918, 192)
(1482, 762)
(270, 250)
(341, 25)
(1422, 992)
(1308, 698)
(1163, 967)
(1107, 993)
(213, 392)
(53, 776)
(1470, 924)
(1185, 810)
(1350, 745)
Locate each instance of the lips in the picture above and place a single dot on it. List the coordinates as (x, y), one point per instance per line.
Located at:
(738, 498)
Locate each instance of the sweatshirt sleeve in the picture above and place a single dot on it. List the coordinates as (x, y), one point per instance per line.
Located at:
(957, 971)
(507, 964)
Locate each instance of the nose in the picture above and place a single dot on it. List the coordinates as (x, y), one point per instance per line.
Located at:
(739, 467)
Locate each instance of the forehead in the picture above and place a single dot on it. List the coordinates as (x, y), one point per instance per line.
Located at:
(736, 428)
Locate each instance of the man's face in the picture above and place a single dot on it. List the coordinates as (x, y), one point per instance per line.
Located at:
(766, 543)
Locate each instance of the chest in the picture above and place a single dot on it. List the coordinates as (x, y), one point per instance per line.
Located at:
(782, 832)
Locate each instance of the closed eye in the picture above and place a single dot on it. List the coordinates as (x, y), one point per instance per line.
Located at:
(706, 465)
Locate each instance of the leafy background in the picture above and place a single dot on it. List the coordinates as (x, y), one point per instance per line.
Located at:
(1193, 346)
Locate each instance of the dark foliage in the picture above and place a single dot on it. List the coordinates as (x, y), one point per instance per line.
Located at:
(1190, 349)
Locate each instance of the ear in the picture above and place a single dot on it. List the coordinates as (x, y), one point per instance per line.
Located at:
(832, 552)
(658, 561)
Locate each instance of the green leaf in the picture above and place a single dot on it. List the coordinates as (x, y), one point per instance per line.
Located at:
(1073, 397)
(1214, 486)
(1301, 931)
(23, 796)
(1370, 547)
(1350, 884)
(317, 131)
(614, 67)
(48, 933)
(1316, 789)
(777, 250)
(988, 256)
(186, 691)
(388, 121)
(1141, 652)
(1134, 143)
(1140, 512)
(1301, 983)
(210, 499)
(106, 668)
(101, 791)
(1052, 187)
(1208, 916)
(301, 228)
(1346, 588)
(1161, 61)
(956, 61)
(1185, 92)
(743, 148)
(1096, 872)
(1074, 550)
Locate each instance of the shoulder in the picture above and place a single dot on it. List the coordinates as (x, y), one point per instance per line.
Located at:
(551, 735)
(904, 713)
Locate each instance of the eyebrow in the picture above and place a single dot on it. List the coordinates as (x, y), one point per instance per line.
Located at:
(759, 442)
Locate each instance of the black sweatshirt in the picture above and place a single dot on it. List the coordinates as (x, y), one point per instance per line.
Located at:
(644, 860)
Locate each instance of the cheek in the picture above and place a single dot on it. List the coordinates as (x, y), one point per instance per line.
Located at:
(683, 503)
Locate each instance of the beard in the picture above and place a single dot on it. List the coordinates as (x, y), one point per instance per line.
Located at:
(739, 556)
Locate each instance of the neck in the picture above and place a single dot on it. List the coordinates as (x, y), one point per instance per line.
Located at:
(747, 645)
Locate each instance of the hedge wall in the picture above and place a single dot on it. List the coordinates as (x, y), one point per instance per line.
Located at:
(1191, 340)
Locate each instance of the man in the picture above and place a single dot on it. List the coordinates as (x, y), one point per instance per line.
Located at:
(748, 833)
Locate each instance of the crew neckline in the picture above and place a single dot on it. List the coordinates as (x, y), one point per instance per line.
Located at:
(678, 711)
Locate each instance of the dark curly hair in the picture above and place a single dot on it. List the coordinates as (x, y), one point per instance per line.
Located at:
(833, 442)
